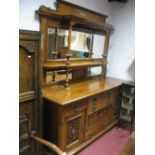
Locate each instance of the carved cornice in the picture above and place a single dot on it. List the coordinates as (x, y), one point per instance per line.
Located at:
(80, 7)
(80, 21)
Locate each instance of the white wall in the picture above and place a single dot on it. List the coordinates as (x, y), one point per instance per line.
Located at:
(122, 41)
(29, 20)
(120, 15)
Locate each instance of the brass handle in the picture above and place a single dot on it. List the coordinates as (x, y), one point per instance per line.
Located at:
(94, 104)
(94, 100)
(76, 108)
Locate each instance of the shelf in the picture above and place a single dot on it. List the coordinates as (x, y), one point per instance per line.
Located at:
(129, 83)
(127, 111)
(128, 96)
(74, 63)
(127, 106)
(125, 117)
(128, 100)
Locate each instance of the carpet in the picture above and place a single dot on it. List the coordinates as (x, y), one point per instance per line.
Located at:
(110, 143)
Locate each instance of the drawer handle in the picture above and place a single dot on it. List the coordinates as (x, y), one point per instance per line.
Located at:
(76, 108)
(90, 136)
(100, 114)
(94, 100)
(110, 103)
(93, 109)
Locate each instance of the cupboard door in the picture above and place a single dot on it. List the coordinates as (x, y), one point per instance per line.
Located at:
(74, 130)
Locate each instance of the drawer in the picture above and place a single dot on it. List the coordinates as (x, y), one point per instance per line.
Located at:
(92, 132)
(96, 123)
(100, 117)
(74, 108)
(98, 102)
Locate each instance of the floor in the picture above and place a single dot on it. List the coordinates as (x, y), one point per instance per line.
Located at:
(129, 148)
(111, 143)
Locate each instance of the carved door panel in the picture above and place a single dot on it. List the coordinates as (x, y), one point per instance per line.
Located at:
(75, 127)
(28, 92)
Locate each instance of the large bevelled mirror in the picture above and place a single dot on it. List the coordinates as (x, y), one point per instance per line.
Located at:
(80, 44)
(83, 44)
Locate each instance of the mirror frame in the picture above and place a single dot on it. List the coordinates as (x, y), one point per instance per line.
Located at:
(46, 23)
(55, 29)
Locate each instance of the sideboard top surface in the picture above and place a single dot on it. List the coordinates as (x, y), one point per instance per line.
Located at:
(62, 96)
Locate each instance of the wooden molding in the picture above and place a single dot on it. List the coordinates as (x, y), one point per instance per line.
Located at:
(74, 63)
(28, 46)
(79, 7)
(26, 96)
(23, 149)
(64, 14)
(30, 32)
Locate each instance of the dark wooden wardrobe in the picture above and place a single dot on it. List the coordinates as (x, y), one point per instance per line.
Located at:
(29, 91)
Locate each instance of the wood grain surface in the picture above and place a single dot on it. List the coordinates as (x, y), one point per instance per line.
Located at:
(77, 91)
